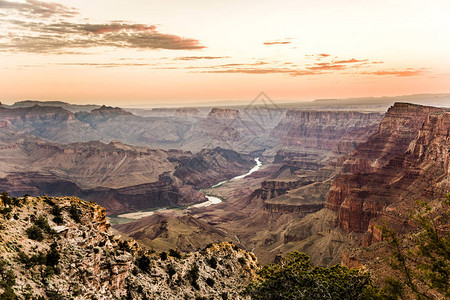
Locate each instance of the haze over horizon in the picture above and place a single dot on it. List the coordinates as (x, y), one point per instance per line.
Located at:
(148, 53)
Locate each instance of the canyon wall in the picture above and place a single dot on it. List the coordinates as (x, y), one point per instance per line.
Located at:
(404, 161)
(326, 130)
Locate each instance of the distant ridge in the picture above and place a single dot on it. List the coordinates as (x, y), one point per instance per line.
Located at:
(68, 106)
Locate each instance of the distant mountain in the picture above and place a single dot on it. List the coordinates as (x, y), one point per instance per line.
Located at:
(71, 107)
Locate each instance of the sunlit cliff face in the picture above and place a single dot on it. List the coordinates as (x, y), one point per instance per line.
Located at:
(142, 52)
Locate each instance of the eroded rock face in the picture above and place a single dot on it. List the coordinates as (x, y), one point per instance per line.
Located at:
(406, 160)
(109, 111)
(79, 258)
(224, 113)
(187, 112)
(120, 177)
(326, 130)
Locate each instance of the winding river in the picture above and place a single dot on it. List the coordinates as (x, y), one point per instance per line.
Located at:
(132, 216)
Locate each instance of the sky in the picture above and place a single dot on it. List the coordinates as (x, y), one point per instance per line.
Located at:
(143, 53)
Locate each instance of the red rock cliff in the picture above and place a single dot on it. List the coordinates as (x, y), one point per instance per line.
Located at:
(406, 160)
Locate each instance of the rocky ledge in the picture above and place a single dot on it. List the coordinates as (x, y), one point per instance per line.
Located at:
(61, 248)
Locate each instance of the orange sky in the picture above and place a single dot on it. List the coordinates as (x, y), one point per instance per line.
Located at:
(141, 53)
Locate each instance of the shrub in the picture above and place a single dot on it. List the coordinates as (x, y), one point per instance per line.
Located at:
(193, 275)
(42, 223)
(58, 220)
(75, 213)
(174, 253)
(35, 233)
(143, 262)
(163, 255)
(210, 282)
(296, 278)
(423, 259)
(53, 255)
(171, 270)
(212, 262)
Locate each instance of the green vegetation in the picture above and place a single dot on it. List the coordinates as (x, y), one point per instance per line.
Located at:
(212, 262)
(35, 233)
(74, 213)
(163, 255)
(171, 270)
(296, 278)
(423, 262)
(57, 212)
(174, 253)
(8, 280)
(210, 282)
(193, 276)
(143, 262)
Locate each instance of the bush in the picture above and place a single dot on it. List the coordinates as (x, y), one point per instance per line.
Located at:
(58, 220)
(212, 262)
(53, 255)
(143, 262)
(210, 282)
(163, 255)
(171, 270)
(35, 233)
(42, 223)
(193, 275)
(75, 213)
(296, 278)
(423, 259)
(174, 253)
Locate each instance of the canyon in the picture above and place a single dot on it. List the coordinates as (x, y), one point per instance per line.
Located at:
(329, 178)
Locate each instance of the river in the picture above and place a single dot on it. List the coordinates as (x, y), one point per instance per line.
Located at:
(132, 216)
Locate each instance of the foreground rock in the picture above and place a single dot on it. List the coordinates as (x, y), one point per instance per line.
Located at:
(69, 253)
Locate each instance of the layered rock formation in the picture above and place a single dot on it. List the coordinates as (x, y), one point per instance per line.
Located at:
(224, 113)
(120, 177)
(326, 130)
(187, 112)
(406, 160)
(61, 248)
(52, 123)
(167, 231)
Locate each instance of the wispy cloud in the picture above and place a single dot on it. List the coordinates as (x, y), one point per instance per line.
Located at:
(399, 73)
(279, 42)
(200, 57)
(57, 32)
(38, 9)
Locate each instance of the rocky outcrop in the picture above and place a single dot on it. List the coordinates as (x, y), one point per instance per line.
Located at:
(224, 114)
(109, 111)
(61, 248)
(302, 209)
(187, 112)
(164, 231)
(121, 178)
(405, 161)
(211, 166)
(326, 130)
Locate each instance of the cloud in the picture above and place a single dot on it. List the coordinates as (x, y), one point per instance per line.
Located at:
(199, 57)
(39, 9)
(350, 61)
(57, 38)
(323, 55)
(327, 66)
(399, 73)
(270, 43)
